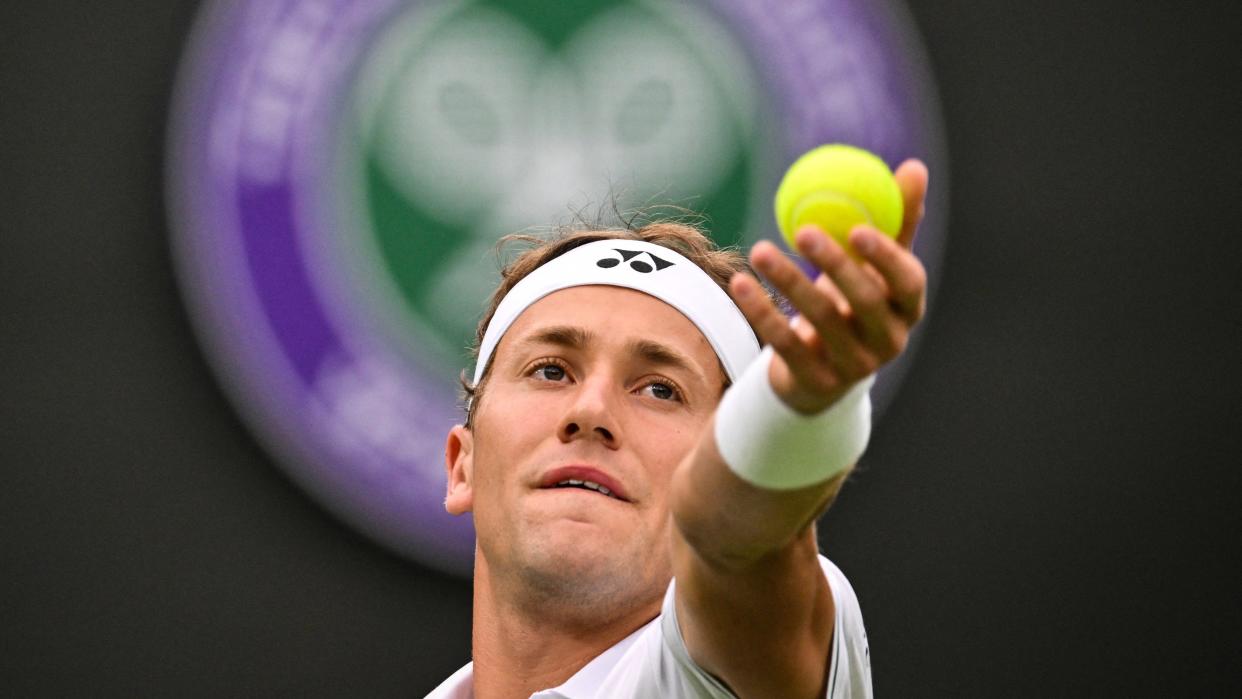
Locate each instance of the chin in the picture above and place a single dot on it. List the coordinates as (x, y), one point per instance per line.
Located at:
(593, 578)
(581, 551)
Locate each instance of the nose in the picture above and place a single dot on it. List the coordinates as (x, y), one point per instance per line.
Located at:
(591, 415)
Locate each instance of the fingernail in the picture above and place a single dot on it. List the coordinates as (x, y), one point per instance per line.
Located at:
(812, 240)
(864, 242)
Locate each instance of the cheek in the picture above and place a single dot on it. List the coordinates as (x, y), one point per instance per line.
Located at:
(508, 427)
(489, 440)
(672, 432)
(512, 409)
(664, 442)
(500, 418)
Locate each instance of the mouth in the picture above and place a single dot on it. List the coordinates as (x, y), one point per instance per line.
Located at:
(584, 478)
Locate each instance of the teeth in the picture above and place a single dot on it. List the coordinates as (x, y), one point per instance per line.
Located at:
(586, 484)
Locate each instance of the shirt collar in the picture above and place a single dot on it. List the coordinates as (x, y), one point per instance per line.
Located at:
(590, 679)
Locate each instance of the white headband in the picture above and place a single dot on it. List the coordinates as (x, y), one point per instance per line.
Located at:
(646, 267)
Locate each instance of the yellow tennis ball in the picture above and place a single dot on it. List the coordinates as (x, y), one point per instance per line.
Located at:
(837, 187)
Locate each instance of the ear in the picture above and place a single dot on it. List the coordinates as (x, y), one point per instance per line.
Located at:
(459, 465)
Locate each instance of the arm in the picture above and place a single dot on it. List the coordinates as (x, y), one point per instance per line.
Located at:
(752, 602)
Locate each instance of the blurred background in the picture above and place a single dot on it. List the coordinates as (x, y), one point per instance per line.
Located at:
(236, 266)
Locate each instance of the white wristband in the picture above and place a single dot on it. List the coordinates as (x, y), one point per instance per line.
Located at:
(769, 444)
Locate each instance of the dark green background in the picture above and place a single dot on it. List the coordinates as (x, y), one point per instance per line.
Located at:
(1050, 508)
(414, 244)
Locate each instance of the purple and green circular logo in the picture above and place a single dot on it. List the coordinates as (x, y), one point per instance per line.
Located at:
(340, 172)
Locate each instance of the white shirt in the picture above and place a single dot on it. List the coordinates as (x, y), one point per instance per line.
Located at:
(653, 661)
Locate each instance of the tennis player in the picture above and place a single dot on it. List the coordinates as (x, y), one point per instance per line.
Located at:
(648, 444)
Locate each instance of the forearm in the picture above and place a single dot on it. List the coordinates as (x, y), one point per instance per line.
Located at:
(753, 606)
(732, 523)
(762, 470)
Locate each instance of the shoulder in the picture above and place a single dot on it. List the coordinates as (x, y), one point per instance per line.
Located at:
(657, 663)
(459, 685)
(849, 674)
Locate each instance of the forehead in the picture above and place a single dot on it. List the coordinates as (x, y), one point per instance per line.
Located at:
(615, 316)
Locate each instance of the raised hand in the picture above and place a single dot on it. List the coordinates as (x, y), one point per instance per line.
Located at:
(853, 318)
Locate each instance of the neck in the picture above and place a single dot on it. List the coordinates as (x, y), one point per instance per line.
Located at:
(521, 647)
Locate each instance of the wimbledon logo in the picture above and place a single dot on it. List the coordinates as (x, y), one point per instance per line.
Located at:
(340, 171)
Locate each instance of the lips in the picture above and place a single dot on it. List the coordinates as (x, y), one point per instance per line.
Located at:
(586, 478)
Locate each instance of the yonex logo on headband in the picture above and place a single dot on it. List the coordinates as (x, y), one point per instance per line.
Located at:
(684, 286)
(637, 265)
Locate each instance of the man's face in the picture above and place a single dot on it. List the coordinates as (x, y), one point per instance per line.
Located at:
(592, 384)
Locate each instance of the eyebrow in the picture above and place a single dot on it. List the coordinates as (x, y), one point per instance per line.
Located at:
(561, 336)
(650, 351)
(660, 355)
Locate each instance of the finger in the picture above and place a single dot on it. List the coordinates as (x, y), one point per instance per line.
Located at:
(827, 288)
(838, 344)
(901, 271)
(912, 177)
(773, 327)
(867, 294)
(824, 310)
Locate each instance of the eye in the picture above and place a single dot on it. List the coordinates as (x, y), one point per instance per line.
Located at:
(548, 371)
(663, 390)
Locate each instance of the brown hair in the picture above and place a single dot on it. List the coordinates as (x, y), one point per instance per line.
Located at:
(684, 237)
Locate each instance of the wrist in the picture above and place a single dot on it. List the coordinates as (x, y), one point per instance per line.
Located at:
(772, 445)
